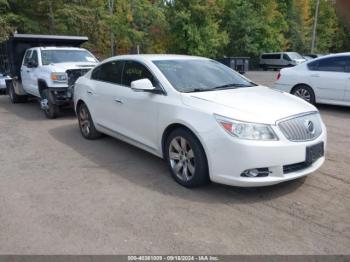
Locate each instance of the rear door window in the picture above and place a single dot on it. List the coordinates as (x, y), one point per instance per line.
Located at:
(109, 72)
(333, 64)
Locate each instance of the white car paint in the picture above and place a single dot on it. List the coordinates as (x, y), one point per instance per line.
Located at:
(141, 118)
(329, 87)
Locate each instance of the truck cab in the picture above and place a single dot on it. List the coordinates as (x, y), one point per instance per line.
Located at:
(44, 67)
(50, 73)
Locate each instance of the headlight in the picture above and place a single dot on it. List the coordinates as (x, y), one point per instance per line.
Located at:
(59, 77)
(245, 130)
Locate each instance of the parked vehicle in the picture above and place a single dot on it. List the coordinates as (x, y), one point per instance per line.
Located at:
(45, 67)
(324, 80)
(3, 83)
(280, 60)
(208, 122)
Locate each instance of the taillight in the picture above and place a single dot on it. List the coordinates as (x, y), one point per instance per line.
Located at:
(278, 75)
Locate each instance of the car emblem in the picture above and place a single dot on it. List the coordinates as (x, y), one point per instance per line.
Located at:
(310, 127)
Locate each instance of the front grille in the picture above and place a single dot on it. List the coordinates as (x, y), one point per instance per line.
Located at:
(295, 167)
(302, 128)
(74, 74)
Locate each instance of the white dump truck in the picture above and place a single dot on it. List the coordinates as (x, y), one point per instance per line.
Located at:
(44, 67)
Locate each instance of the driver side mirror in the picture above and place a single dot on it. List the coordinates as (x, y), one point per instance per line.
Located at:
(142, 85)
(32, 64)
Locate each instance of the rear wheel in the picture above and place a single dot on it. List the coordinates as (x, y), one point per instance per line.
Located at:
(305, 92)
(50, 109)
(14, 98)
(86, 125)
(186, 159)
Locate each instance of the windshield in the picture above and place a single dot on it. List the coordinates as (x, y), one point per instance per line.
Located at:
(294, 55)
(63, 56)
(197, 75)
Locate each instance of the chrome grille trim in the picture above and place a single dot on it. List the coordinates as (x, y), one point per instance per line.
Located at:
(295, 128)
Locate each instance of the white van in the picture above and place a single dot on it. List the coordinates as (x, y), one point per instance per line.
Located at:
(280, 60)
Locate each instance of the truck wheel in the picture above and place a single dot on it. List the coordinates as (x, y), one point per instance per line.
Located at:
(51, 110)
(14, 98)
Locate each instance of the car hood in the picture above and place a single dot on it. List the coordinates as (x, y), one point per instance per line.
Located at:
(62, 67)
(256, 104)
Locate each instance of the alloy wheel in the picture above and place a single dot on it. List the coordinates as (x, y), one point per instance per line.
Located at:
(303, 94)
(84, 121)
(182, 159)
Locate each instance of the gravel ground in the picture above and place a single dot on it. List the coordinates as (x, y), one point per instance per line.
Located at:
(62, 194)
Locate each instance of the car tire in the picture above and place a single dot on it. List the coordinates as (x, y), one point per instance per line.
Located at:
(186, 159)
(86, 124)
(305, 92)
(52, 110)
(14, 98)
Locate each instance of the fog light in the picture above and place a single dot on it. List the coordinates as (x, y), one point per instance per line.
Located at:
(256, 172)
(250, 173)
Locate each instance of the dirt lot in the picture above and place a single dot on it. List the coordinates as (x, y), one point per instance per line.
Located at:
(61, 194)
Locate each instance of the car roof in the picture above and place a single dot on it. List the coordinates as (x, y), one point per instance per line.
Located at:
(57, 48)
(154, 57)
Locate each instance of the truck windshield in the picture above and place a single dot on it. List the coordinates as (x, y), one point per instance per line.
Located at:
(64, 56)
(198, 75)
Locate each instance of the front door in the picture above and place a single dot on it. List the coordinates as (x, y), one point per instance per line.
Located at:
(140, 110)
(25, 71)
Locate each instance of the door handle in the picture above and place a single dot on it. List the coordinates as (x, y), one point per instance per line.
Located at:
(89, 92)
(315, 75)
(28, 71)
(118, 101)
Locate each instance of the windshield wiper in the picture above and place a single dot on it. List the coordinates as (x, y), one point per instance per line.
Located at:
(231, 85)
(197, 90)
(227, 86)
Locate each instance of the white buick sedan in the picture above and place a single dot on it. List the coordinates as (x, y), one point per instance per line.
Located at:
(208, 122)
(325, 80)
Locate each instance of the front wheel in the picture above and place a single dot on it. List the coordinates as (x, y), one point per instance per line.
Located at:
(305, 92)
(186, 159)
(51, 110)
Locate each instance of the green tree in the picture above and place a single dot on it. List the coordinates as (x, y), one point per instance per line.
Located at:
(254, 27)
(327, 27)
(195, 27)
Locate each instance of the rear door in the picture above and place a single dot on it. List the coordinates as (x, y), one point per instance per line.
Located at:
(103, 95)
(329, 79)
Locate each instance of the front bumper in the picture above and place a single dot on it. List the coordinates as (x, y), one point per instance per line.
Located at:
(229, 157)
(62, 95)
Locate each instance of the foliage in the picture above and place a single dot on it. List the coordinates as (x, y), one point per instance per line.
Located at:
(194, 27)
(210, 28)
